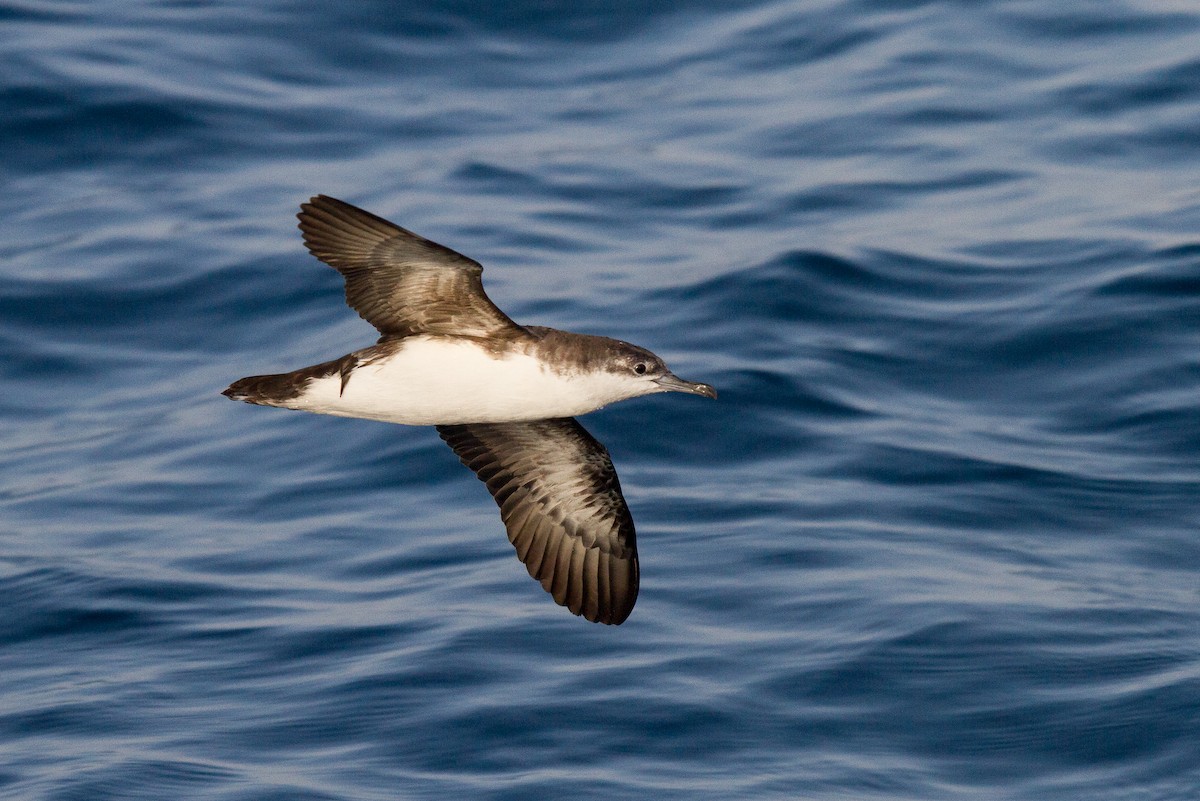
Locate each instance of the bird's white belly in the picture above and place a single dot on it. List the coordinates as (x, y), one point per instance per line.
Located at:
(432, 381)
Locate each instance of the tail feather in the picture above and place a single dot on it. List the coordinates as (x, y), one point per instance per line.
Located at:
(278, 389)
(267, 390)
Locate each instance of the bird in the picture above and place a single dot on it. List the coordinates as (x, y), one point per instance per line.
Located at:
(503, 396)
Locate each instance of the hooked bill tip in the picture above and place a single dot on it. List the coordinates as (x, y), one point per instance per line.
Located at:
(674, 383)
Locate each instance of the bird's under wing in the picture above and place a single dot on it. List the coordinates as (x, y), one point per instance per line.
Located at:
(399, 282)
(561, 502)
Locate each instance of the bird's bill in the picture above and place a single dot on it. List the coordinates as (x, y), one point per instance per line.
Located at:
(673, 383)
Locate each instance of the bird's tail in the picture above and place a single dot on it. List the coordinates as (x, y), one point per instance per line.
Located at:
(280, 388)
(265, 390)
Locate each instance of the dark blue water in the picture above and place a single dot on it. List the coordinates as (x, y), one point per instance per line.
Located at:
(938, 539)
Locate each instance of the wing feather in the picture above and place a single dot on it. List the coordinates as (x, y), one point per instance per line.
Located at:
(398, 281)
(561, 503)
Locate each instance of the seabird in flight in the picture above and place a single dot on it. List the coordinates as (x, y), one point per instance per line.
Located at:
(503, 396)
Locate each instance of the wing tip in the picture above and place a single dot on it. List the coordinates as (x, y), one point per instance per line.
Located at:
(341, 234)
(323, 202)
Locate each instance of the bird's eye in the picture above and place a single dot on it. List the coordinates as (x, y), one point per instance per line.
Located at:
(639, 368)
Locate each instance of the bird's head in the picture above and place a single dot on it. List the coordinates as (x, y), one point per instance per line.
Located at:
(636, 371)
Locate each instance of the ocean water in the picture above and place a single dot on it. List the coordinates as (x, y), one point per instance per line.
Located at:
(939, 538)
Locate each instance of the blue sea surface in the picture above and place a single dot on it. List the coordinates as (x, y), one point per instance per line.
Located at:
(938, 539)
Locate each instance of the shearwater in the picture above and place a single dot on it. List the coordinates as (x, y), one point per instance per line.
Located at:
(502, 395)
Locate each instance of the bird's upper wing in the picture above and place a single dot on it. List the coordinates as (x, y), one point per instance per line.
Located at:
(400, 282)
(561, 502)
